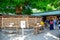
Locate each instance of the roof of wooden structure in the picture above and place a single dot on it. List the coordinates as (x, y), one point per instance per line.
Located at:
(56, 12)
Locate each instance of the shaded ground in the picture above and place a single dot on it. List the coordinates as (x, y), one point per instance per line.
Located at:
(45, 35)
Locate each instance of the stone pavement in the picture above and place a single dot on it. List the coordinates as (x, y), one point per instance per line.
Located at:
(45, 35)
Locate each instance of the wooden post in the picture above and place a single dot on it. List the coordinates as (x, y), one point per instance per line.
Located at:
(27, 22)
(35, 20)
(2, 21)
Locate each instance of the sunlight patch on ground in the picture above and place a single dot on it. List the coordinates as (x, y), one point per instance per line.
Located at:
(19, 38)
(51, 35)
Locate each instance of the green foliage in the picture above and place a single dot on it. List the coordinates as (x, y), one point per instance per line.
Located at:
(45, 5)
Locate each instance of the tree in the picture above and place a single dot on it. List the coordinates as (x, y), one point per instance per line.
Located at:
(28, 5)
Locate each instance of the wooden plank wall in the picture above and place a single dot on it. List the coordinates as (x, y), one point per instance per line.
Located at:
(30, 21)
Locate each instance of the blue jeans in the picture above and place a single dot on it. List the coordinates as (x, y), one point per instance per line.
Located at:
(51, 27)
(59, 27)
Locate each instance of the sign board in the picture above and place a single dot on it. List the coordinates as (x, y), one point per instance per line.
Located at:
(23, 24)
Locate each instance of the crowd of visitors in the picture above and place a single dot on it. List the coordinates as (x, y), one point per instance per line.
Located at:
(48, 24)
(52, 23)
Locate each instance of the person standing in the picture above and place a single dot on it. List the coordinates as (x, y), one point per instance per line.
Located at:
(54, 23)
(42, 24)
(51, 25)
(47, 23)
(36, 28)
(59, 22)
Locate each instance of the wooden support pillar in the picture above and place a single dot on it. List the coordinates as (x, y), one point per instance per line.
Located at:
(35, 20)
(27, 19)
(2, 21)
